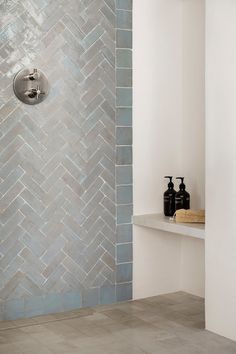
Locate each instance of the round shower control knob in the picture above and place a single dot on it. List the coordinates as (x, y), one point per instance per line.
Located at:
(31, 86)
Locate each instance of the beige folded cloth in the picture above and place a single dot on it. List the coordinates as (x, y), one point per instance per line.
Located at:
(194, 216)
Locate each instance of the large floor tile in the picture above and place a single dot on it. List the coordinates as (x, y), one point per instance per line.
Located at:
(167, 324)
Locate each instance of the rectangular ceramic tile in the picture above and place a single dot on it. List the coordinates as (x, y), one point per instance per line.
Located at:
(109, 14)
(124, 58)
(124, 117)
(14, 309)
(34, 306)
(124, 273)
(124, 4)
(124, 194)
(124, 252)
(123, 97)
(124, 19)
(107, 295)
(143, 326)
(124, 233)
(124, 38)
(124, 77)
(124, 292)
(124, 175)
(71, 301)
(53, 303)
(124, 155)
(124, 214)
(90, 297)
(124, 136)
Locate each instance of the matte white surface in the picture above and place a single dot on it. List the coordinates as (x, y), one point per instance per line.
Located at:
(157, 99)
(193, 118)
(192, 269)
(221, 167)
(157, 262)
(157, 111)
(160, 222)
(168, 135)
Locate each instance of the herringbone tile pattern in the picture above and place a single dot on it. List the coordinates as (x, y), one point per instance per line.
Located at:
(57, 159)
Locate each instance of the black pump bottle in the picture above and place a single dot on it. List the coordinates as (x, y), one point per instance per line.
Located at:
(169, 198)
(182, 198)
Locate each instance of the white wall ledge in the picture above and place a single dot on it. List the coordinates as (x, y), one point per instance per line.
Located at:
(161, 222)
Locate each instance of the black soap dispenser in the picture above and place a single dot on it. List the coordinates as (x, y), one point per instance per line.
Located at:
(169, 198)
(182, 198)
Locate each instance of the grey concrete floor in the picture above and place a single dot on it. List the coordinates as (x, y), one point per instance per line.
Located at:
(172, 323)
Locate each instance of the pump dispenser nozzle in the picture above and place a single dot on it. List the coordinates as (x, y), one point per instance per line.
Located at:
(182, 185)
(170, 184)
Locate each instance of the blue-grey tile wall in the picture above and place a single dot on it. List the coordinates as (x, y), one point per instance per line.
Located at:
(124, 253)
(124, 155)
(34, 306)
(124, 194)
(124, 4)
(124, 117)
(124, 214)
(107, 295)
(124, 58)
(91, 297)
(124, 175)
(124, 178)
(124, 97)
(124, 136)
(14, 308)
(124, 19)
(124, 233)
(124, 273)
(124, 291)
(124, 38)
(124, 77)
(53, 303)
(72, 300)
(66, 164)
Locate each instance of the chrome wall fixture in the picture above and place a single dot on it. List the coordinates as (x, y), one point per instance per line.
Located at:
(31, 86)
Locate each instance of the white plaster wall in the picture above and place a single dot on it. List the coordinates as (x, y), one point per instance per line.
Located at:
(193, 118)
(192, 269)
(221, 167)
(157, 262)
(157, 110)
(168, 135)
(157, 72)
(192, 273)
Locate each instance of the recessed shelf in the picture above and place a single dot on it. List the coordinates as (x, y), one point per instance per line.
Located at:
(161, 222)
